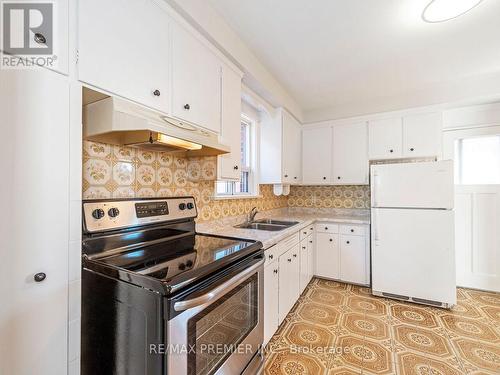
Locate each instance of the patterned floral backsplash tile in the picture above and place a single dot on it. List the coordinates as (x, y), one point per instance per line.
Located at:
(125, 172)
(346, 196)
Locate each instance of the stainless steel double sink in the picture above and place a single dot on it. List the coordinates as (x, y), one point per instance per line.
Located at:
(267, 224)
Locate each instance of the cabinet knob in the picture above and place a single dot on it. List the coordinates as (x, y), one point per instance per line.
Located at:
(391, 151)
(348, 242)
(331, 240)
(39, 277)
(271, 256)
(295, 178)
(326, 228)
(338, 177)
(156, 92)
(295, 255)
(40, 38)
(412, 149)
(289, 259)
(310, 242)
(324, 178)
(303, 247)
(286, 175)
(275, 271)
(187, 106)
(352, 230)
(236, 167)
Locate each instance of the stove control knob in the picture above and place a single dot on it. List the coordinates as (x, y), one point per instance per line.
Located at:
(113, 212)
(182, 206)
(182, 266)
(189, 264)
(190, 206)
(98, 213)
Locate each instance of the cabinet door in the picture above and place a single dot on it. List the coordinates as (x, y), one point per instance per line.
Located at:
(327, 255)
(304, 264)
(317, 155)
(271, 295)
(353, 259)
(385, 138)
(422, 135)
(285, 269)
(291, 153)
(124, 49)
(230, 164)
(196, 81)
(311, 257)
(350, 154)
(34, 315)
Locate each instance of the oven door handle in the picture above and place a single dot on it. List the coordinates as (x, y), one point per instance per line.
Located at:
(219, 290)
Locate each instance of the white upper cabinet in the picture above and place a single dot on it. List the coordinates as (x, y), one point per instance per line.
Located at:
(280, 149)
(291, 149)
(196, 81)
(385, 138)
(317, 155)
(124, 49)
(422, 135)
(230, 164)
(350, 154)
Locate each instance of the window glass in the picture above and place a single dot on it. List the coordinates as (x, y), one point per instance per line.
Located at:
(477, 160)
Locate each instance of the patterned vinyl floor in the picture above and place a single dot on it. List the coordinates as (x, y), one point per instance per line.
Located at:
(337, 328)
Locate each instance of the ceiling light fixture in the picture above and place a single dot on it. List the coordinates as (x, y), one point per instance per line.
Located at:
(444, 10)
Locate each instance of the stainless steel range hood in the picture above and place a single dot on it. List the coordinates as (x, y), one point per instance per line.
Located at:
(117, 121)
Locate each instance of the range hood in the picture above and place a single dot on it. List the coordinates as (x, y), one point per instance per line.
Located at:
(117, 121)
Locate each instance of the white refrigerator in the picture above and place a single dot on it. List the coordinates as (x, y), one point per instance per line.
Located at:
(412, 247)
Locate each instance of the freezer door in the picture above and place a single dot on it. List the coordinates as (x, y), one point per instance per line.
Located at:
(413, 185)
(413, 253)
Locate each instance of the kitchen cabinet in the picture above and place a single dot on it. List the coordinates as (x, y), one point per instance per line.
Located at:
(422, 135)
(121, 54)
(317, 155)
(311, 257)
(34, 312)
(280, 149)
(271, 296)
(327, 255)
(304, 265)
(353, 255)
(385, 138)
(229, 165)
(350, 154)
(196, 81)
(289, 281)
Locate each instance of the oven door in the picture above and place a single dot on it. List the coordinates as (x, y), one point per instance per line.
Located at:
(220, 327)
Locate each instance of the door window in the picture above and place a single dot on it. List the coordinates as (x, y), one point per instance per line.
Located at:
(217, 331)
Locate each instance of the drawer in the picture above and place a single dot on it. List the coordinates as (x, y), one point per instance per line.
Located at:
(327, 228)
(306, 231)
(289, 241)
(272, 254)
(355, 230)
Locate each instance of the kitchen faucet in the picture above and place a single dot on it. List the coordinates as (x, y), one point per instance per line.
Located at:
(251, 214)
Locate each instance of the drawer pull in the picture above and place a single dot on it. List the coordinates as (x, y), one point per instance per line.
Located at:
(303, 247)
(275, 271)
(271, 256)
(295, 255)
(289, 259)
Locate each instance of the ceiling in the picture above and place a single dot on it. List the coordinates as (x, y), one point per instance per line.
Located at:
(365, 56)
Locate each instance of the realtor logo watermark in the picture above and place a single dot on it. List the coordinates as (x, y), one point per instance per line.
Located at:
(27, 34)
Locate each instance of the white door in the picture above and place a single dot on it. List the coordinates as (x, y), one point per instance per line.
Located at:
(476, 154)
(119, 54)
(196, 81)
(327, 255)
(385, 138)
(412, 185)
(304, 264)
(353, 259)
(230, 164)
(350, 154)
(413, 253)
(422, 135)
(271, 296)
(292, 140)
(35, 169)
(317, 155)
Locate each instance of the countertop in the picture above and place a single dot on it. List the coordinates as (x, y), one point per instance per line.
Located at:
(305, 217)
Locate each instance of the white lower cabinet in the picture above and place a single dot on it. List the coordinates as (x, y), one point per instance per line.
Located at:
(289, 281)
(327, 255)
(271, 282)
(353, 256)
(304, 265)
